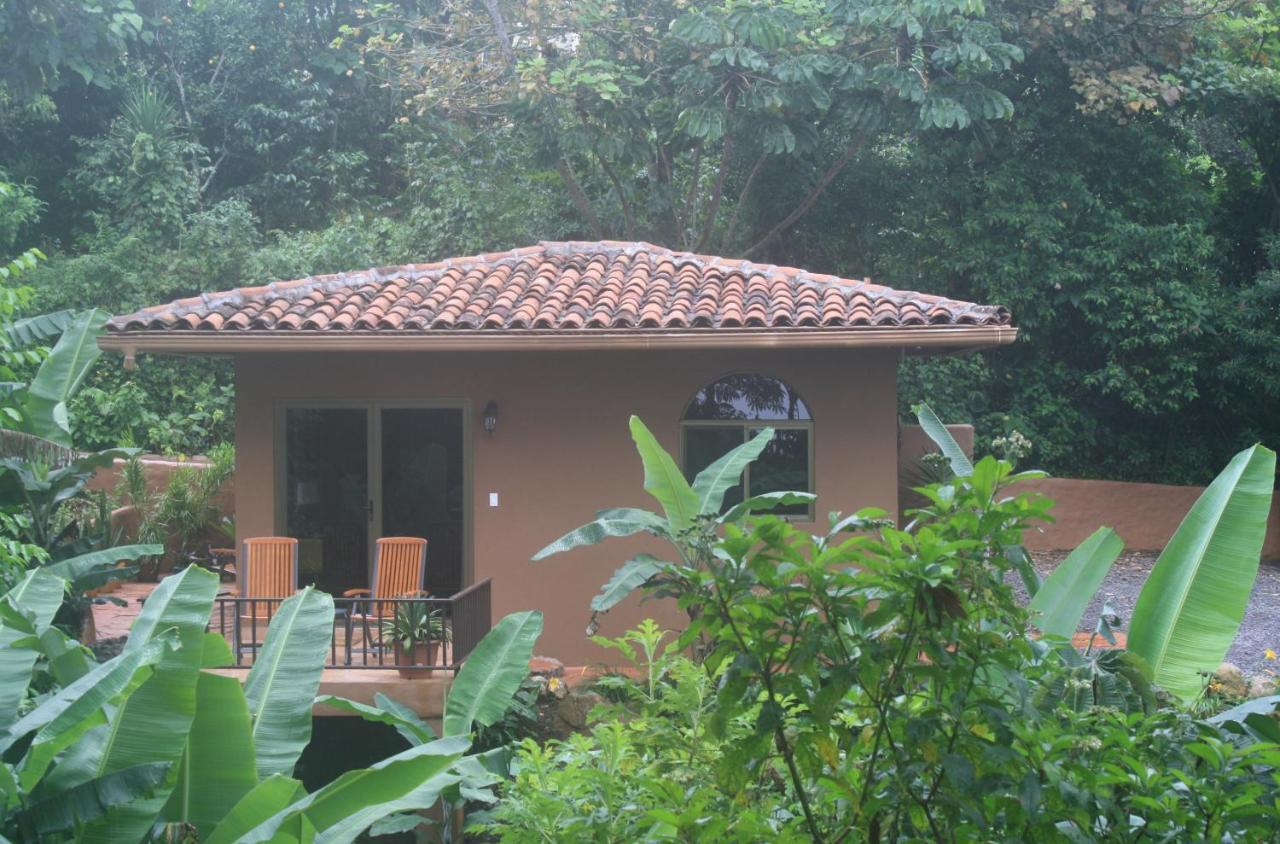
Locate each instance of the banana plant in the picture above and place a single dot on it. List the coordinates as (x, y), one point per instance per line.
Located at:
(1192, 603)
(149, 745)
(691, 515)
(480, 695)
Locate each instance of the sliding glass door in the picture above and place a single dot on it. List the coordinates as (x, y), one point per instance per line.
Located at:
(355, 472)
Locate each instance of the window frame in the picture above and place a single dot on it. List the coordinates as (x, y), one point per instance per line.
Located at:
(754, 425)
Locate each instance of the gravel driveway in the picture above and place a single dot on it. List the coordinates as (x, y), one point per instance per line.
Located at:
(1259, 631)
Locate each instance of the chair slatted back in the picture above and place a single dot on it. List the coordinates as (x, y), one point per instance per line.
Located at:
(398, 569)
(270, 567)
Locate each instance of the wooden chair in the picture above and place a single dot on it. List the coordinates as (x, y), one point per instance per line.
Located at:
(269, 570)
(399, 566)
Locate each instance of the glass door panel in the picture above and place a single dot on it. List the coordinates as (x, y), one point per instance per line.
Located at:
(422, 486)
(326, 495)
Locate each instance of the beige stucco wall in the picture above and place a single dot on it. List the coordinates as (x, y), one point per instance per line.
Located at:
(562, 449)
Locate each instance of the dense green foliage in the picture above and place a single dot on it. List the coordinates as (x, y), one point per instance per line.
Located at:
(877, 683)
(1107, 170)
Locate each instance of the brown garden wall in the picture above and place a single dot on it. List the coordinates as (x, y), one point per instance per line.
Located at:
(1145, 515)
(157, 470)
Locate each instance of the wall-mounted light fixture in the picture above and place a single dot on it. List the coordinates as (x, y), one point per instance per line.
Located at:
(490, 417)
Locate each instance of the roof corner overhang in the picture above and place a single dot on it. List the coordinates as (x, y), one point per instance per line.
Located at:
(916, 340)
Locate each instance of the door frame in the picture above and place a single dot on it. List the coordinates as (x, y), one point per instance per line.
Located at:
(373, 442)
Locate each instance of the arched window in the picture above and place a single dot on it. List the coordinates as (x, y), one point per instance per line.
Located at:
(730, 411)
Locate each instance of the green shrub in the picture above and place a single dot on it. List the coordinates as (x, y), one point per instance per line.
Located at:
(875, 683)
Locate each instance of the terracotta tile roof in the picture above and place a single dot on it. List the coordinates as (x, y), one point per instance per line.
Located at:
(560, 287)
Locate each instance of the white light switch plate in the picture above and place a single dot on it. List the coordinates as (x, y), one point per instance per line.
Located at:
(493, 499)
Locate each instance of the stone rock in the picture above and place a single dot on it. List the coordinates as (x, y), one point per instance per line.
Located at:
(545, 666)
(563, 716)
(1232, 681)
(1262, 687)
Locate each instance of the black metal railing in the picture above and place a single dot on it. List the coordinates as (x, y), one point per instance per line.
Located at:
(363, 629)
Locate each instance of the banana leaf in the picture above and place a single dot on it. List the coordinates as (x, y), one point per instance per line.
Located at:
(33, 329)
(413, 729)
(1190, 608)
(267, 799)
(75, 709)
(630, 576)
(88, 801)
(714, 481)
(153, 723)
(1064, 595)
(346, 807)
(60, 376)
(217, 769)
(936, 431)
(38, 595)
(620, 521)
(281, 686)
(664, 480)
(491, 676)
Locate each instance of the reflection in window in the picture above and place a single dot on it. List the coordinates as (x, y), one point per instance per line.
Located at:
(730, 411)
(748, 397)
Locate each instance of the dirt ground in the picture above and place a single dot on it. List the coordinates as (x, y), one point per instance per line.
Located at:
(1259, 630)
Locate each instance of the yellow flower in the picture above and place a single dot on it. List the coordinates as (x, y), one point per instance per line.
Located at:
(553, 684)
(1269, 654)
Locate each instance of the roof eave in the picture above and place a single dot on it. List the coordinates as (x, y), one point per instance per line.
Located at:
(919, 339)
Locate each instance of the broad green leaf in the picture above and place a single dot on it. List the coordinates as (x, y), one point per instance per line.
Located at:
(74, 570)
(90, 800)
(61, 375)
(629, 576)
(618, 522)
(664, 480)
(492, 674)
(24, 332)
(38, 595)
(216, 652)
(66, 657)
(936, 431)
(414, 730)
(344, 808)
(267, 799)
(152, 724)
(281, 686)
(714, 481)
(1190, 608)
(73, 710)
(765, 502)
(1065, 594)
(217, 770)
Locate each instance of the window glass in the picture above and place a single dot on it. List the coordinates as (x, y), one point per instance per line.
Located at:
(783, 466)
(729, 411)
(747, 397)
(704, 445)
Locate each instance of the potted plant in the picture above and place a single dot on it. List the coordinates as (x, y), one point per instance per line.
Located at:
(418, 635)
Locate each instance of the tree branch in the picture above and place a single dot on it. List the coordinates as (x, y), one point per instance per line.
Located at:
(742, 198)
(628, 221)
(500, 31)
(579, 197)
(726, 153)
(807, 202)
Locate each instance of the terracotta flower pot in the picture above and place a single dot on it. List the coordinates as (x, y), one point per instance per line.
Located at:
(411, 661)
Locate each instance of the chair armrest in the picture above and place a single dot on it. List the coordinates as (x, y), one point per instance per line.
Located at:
(233, 592)
(357, 593)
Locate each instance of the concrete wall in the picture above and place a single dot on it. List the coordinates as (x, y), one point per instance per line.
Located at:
(1145, 515)
(563, 450)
